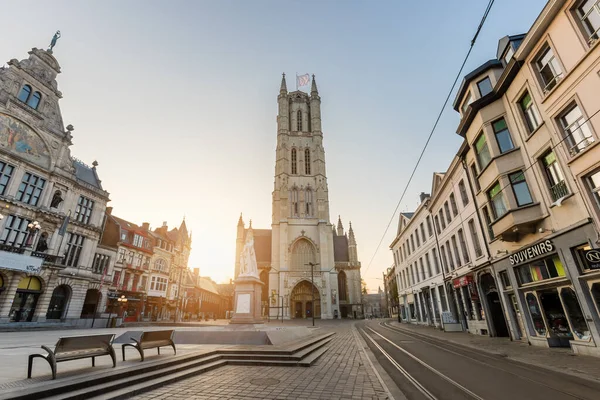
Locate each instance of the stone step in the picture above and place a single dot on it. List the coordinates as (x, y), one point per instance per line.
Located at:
(102, 383)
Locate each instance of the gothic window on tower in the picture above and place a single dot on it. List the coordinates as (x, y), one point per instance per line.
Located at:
(307, 161)
(294, 198)
(308, 202)
(299, 121)
(294, 162)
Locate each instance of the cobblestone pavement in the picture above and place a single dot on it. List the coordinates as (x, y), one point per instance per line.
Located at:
(557, 359)
(343, 372)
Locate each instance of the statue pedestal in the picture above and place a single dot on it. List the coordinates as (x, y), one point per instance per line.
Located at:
(247, 304)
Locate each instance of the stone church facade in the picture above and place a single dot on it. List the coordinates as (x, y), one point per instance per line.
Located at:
(302, 237)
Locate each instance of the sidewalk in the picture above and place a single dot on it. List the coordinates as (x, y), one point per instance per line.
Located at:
(556, 359)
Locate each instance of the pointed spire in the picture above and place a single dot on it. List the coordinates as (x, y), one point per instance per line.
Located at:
(313, 88)
(240, 221)
(340, 227)
(351, 235)
(283, 89)
(250, 227)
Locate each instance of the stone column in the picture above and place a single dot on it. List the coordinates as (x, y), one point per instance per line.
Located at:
(8, 295)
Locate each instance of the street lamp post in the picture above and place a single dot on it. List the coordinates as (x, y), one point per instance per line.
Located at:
(123, 302)
(312, 281)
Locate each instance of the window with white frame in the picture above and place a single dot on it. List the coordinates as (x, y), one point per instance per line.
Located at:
(423, 238)
(463, 246)
(554, 176)
(15, 231)
(444, 260)
(520, 188)
(436, 262)
(417, 237)
(447, 209)
(158, 283)
(475, 238)
(6, 171)
(83, 212)
(455, 248)
(160, 265)
(428, 263)
(482, 151)
(137, 260)
(484, 86)
(468, 100)
(593, 184)
(497, 201)
(429, 230)
(530, 112)
(100, 264)
(453, 205)
(442, 219)
(121, 255)
(548, 68)
(589, 14)
(575, 129)
(503, 138)
(450, 259)
(30, 189)
(138, 240)
(463, 192)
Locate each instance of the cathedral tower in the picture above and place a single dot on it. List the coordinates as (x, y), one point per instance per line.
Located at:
(301, 232)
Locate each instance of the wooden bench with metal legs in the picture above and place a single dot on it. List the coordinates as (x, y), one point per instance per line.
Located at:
(76, 348)
(150, 340)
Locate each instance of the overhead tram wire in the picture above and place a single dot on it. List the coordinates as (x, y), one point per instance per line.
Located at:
(458, 75)
(482, 206)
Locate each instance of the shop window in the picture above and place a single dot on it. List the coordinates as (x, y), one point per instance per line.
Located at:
(555, 314)
(578, 324)
(540, 270)
(595, 290)
(536, 314)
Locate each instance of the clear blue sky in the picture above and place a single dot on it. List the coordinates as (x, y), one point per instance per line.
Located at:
(177, 102)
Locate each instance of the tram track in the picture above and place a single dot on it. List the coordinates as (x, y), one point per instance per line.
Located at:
(436, 369)
(475, 357)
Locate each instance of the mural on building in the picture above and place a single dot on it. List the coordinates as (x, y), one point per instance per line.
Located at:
(20, 139)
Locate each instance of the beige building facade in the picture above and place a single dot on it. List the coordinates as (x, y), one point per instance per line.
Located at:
(529, 120)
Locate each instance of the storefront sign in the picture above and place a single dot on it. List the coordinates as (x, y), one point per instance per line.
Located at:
(462, 281)
(531, 252)
(592, 258)
(20, 262)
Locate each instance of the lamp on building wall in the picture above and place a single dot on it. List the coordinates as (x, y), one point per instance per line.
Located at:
(32, 229)
(498, 252)
(123, 302)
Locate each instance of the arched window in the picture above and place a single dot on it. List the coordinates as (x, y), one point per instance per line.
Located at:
(294, 162)
(58, 302)
(309, 202)
(34, 101)
(160, 265)
(303, 253)
(294, 199)
(24, 93)
(343, 286)
(307, 161)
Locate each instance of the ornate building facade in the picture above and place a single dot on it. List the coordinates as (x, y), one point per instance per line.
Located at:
(52, 204)
(303, 255)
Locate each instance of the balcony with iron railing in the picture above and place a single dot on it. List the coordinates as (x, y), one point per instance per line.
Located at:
(47, 258)
(559, 191)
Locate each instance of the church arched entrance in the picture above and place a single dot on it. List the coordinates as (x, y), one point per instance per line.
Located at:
(301, 301)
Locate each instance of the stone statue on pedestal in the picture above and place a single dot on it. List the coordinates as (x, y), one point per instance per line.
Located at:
(248, 266)
(248, 286)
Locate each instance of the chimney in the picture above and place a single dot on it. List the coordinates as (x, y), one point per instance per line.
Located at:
(197, 273)
(109, 210)
(423, 196)
(164, 224)
(146, 226)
